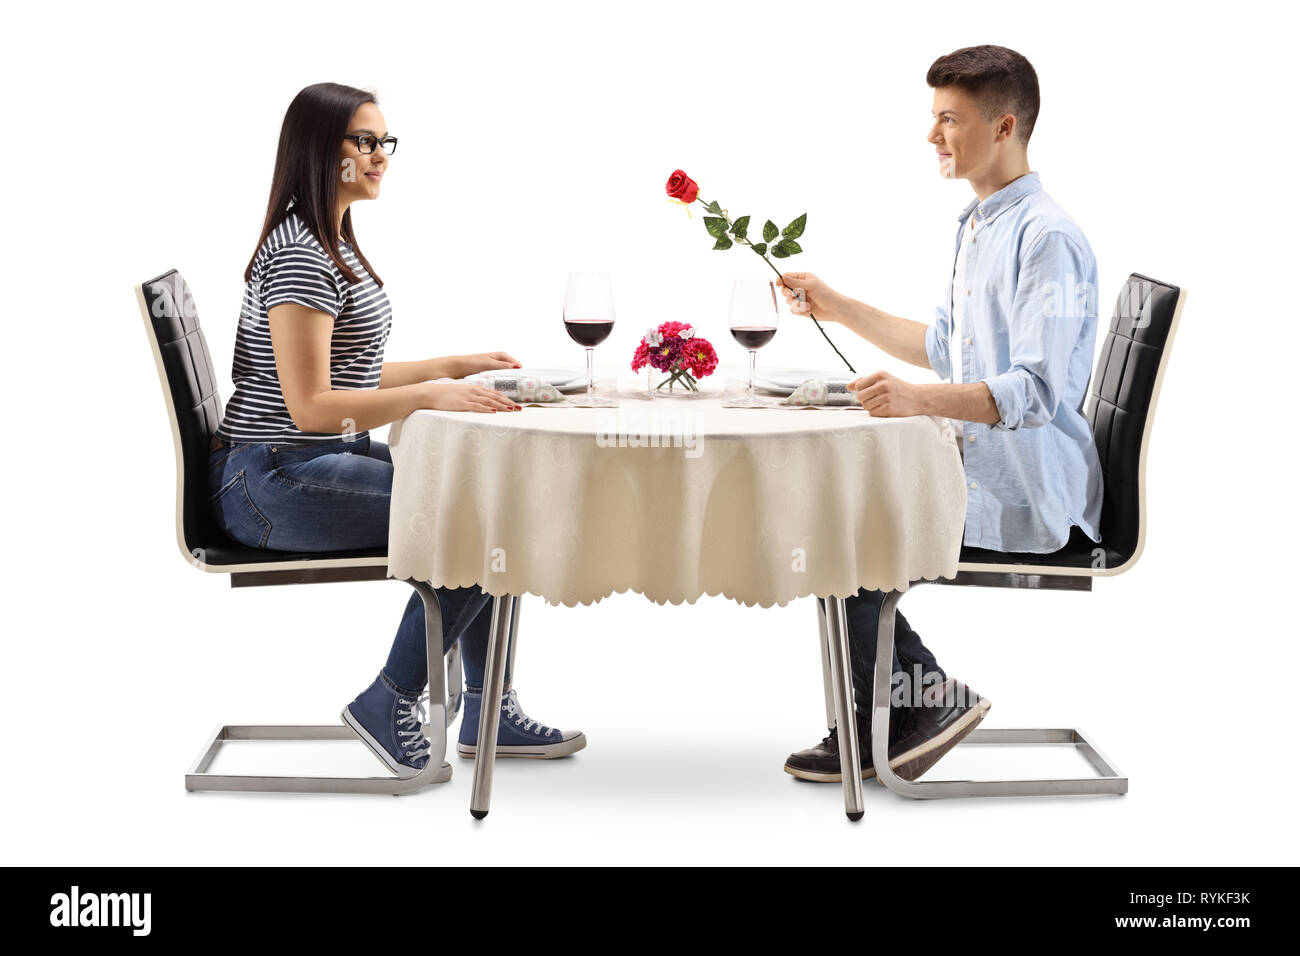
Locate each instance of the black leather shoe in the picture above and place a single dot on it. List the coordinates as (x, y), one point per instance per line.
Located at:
(922, 735)
(821, 763)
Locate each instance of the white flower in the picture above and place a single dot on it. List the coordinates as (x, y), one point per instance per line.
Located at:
(653, 338)
(687, 333)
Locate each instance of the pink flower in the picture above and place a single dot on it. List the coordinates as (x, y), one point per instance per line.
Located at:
(640, 357)
(699, 357)
(672, 328)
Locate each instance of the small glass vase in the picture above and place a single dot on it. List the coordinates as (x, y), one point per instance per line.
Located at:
(679, 381)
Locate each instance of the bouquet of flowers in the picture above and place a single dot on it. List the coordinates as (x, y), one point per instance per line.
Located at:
(781, 243)
(675, 348)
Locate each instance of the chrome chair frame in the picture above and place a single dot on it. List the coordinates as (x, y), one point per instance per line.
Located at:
(173, 304)
(839, 692)
(442, 710)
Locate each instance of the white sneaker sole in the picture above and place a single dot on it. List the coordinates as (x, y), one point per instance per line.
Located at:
(541, 752)
(401, 769)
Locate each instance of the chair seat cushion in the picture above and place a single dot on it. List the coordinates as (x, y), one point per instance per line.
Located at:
(226, 552)
(1079, 552)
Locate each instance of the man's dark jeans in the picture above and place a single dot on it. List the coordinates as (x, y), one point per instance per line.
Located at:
(863, 613)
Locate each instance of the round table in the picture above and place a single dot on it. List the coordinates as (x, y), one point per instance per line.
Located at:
(673, 498)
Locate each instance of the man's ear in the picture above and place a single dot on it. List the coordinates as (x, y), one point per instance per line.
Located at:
(1006, 127)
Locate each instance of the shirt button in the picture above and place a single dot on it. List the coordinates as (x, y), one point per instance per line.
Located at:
(973, 485)
(971, 439)
(968, 340)
(968, 291)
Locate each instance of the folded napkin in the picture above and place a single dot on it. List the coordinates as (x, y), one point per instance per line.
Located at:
(525, 389)
(816, 391)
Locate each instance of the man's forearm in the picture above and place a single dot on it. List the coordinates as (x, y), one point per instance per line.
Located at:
(968, 402)
(901, 338)
(397, 374)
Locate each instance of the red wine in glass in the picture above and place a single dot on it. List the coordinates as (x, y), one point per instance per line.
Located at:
(753, 324)
(752, 337)
(589, 318)
(589, 332)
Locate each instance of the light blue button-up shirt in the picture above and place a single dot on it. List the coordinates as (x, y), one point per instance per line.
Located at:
(1029, 327)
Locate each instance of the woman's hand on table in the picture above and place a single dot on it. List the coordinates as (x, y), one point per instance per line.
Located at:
(483, 362)
(887, 396)
(462, 397)
(805, 293)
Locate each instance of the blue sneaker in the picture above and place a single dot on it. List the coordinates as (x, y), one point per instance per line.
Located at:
(391, 724)
(518, 735)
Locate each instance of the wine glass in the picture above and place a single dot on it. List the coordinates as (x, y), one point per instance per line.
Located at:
(589, 318)
(753, 324)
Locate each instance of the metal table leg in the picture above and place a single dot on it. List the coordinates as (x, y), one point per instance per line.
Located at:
(837, 651)
(826, 665)
(503, 608)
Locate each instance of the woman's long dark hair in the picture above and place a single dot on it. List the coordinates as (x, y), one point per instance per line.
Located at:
(307, 170)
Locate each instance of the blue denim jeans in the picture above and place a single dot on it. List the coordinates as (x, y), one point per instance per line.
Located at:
(334, 497)
(863, 613)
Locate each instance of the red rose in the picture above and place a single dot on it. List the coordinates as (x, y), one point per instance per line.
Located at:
(682, 188)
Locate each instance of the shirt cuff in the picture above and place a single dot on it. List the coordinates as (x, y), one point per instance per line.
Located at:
(937, 357)
(1008, 390)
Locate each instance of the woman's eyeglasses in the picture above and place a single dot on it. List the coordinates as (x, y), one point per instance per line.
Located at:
(366, 143)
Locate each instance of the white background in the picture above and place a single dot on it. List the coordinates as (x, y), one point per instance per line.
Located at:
(535, 140)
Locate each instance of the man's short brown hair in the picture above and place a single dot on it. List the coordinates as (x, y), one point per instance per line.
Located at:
(1001, 81)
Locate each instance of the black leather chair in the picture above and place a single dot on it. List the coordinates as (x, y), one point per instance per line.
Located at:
(194, 410)
(1121, 409)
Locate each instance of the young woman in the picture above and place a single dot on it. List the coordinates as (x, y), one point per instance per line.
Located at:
(292, 466)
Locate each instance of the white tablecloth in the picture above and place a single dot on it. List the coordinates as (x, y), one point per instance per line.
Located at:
(758, 505)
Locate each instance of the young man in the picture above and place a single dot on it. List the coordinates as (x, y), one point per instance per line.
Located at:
(1014, 342)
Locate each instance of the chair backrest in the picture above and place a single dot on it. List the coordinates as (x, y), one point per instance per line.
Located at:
(193, 405)
(1122, 404)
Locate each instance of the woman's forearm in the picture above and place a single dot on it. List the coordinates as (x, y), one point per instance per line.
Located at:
(901, 338)
(397, 374)
(358, 410)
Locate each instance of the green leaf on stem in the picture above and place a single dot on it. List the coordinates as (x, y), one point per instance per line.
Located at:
(722, 243)
(739, 227)
(787, 247)
(760, 248)
(778, 250)
(770, 231)
(717, 227)
(714, 208)
(795, 229)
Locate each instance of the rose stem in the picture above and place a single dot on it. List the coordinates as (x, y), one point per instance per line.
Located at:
(778, 275)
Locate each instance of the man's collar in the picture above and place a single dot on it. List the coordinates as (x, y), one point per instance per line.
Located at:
(1003, 199)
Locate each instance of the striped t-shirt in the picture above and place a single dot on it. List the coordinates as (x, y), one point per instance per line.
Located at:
(292, 266)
